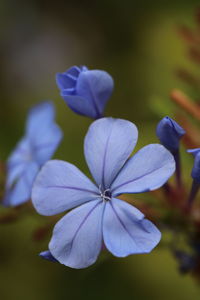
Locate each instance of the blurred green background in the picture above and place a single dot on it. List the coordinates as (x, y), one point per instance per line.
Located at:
(138, 44)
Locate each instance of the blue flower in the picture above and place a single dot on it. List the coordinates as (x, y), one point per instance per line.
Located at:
(85, 91)
(39, 143)
(100, 216)
(169, 133)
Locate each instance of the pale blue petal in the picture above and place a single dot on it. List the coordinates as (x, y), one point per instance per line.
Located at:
(79, 105)
(14, 173)
(108, 144)
(39, 118)
(20, 152)
(17, 161)
(147, 170)
(46, 143)
(21, 191)
(61, 186)
(77, 237)
(42, 132)
(125, 231)
(97, 86)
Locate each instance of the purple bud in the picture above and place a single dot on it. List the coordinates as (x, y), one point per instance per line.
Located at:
(196, 167)
(195, 175)
(169, 133)
(85, 91)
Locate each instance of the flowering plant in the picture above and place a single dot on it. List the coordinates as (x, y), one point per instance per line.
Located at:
(100, 214)
(101, 217)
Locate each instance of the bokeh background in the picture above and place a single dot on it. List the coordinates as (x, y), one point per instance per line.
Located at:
(138, 44)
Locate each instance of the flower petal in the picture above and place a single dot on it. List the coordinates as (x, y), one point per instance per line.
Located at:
(97, 86)
(46, 143)
(77, 237)
(42, 132)
(47, 255)
(39, 118)
(108, 144)
(61, 186)
(125, 231)
(63, 81)
(17, 161)
(67, 79)
(147, 170)
(79, 105)
(21, 191)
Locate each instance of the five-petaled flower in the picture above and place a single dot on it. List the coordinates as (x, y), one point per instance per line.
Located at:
(39, 143)
(85, 91)
(100, 217)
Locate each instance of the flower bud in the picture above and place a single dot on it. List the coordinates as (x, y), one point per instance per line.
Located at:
(196, 167)
(85, 91)
(169, 133)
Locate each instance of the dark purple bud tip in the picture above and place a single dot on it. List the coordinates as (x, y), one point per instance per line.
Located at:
(195, 175)
(47, 255)
(169, 133)
(196, 167)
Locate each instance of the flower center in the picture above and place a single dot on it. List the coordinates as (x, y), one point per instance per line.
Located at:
(106, 195)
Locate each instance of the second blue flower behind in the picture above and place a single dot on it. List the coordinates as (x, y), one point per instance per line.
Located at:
(39, 143)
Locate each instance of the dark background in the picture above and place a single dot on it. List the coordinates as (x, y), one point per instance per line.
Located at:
(138, 44)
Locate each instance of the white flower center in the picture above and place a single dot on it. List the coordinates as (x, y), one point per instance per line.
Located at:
(105, 195)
